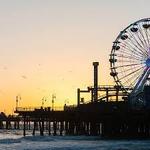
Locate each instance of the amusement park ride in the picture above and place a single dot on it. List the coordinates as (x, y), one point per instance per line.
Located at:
(130, 67)
(130, 61)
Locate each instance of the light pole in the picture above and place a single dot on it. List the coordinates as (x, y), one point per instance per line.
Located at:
(53, 101)
(43, 100)
(18, 97)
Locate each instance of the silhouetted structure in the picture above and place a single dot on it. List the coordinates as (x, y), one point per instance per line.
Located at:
(95, 90)
(113, 111)
(107, 115)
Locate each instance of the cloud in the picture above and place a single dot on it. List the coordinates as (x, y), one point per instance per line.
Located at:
(5, 68)
(24, 77)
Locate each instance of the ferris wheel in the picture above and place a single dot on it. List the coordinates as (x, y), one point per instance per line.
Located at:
(130, 56)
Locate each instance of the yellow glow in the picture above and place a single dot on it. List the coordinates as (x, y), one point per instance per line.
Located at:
(48, 47)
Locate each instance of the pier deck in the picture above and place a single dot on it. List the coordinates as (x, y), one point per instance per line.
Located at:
(107, 119)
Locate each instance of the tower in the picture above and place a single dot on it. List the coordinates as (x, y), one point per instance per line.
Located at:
(95, 90)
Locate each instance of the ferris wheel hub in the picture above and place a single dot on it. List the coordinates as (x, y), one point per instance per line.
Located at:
(148, 62)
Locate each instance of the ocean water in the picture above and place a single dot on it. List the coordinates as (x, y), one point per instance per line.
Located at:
(13, 140)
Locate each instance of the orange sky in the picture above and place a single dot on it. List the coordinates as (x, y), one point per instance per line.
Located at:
(48, 46)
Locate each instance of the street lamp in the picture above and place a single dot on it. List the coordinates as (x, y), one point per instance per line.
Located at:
(18, 97)
(53, 100)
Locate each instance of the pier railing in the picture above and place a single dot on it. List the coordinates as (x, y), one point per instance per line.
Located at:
(30, 109)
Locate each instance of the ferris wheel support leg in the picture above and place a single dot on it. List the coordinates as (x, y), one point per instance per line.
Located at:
(136, 95)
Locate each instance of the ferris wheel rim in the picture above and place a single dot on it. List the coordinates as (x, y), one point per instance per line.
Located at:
(144, 19)
(112, 55)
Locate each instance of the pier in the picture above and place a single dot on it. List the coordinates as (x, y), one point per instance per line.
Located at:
(109, 114)
(106, 119)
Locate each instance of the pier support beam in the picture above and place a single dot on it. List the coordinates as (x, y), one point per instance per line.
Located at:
(61, 127)
(49, 127)
(24, 125)
(41, 125)
(54, 127)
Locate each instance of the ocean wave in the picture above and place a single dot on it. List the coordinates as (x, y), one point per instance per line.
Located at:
(38, 138)
(60, 138)
(15, 142)
(9, 141)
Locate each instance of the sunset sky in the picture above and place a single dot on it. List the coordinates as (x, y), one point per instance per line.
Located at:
(48, 46)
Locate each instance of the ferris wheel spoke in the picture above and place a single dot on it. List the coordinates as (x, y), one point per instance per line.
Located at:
(133, 45)
(140, 31)
(141, 37)
(137, 77)
(131, 52)
(131, 49)
(129, 69)
(136, 48)
(126, 61)
(147, 36)
(126, 51)
(133, 72)
(127, 65)
(128, 57)
(136, 41)
(132, 79)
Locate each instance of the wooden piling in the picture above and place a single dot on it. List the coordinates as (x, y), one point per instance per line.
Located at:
(24, 126)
